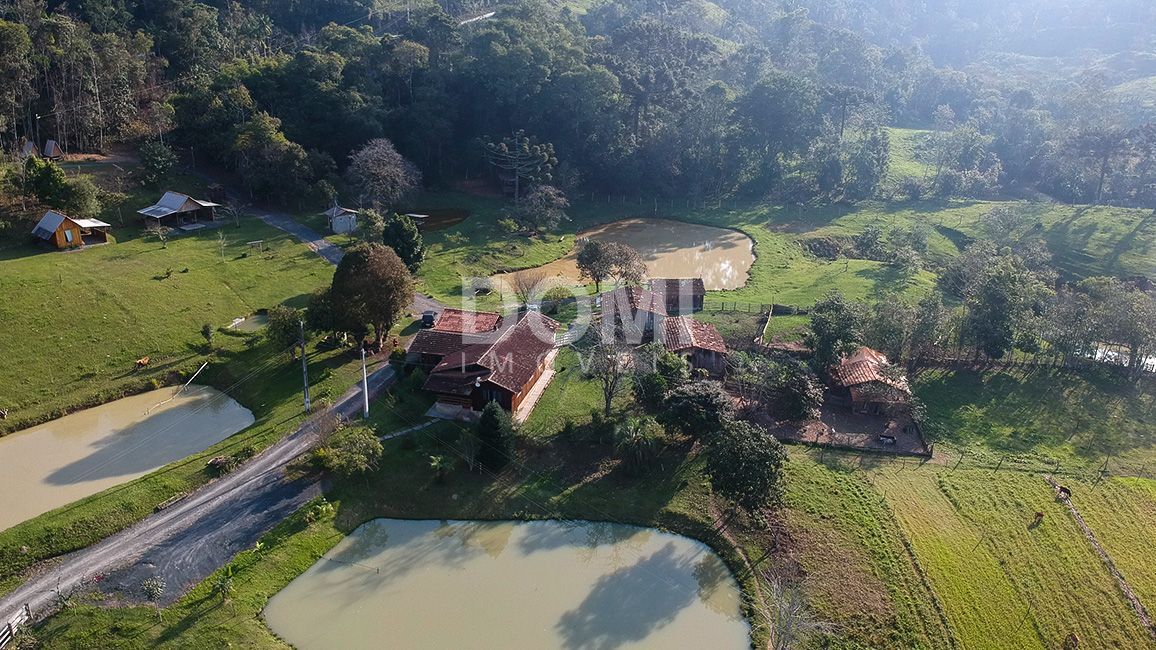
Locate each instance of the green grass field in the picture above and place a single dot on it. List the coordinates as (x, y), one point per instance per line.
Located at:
(1036, 418)
(1122, 514)
(995, 570)
(79, 320)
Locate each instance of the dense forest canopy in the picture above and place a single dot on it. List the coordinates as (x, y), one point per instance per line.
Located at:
(787, 99)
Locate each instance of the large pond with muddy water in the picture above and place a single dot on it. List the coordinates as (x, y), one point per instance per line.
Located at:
(511, 585)
(53, 464)
(672, 249)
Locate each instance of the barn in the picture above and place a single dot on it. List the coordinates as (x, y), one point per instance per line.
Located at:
(699, 343)
(63, 231)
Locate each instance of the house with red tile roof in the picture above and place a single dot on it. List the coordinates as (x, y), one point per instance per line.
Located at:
(870, 383)
(699, 343)
(510, 366)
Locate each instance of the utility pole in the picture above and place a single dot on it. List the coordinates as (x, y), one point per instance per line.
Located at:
(364, 383)
(304, 366)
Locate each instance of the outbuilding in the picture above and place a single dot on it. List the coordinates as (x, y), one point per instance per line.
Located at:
(699, 343)
(342, 221)
(63, 231)
(180, 210)
(52, 150)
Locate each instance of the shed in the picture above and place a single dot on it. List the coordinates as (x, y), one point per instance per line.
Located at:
(28, 149)
(64, 231)
(342, 221)
(699, 343)
(52, 150)
(175, 208)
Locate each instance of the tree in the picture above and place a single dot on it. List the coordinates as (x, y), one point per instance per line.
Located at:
(745, 463)
(268, 162)
(598, 260)
(1003, 306)
(283, 328)
(797, 392)
(495, 431)
(381, 174)
(526, 285)
(594, 262)
(154, 589)
(610, 365)
(636, 442)
(669, 371)
(371, 285)
(542, 209)
(523, 158)
(156, 161)
(836, 329)
(207, 334)
(1102, 146)
(699, 409)
(223, 586)
(401, 234)
(352, 450)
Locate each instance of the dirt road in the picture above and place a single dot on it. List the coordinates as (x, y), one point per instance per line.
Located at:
(186, 542)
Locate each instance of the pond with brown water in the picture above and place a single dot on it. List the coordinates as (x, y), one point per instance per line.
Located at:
(53, 464)
(511, 585)
(672, 249)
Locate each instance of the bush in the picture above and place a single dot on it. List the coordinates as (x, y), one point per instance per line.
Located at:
(698, 409)
(496, 433)
(636, 443)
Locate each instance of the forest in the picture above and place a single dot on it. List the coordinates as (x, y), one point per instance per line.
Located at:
(780, 99)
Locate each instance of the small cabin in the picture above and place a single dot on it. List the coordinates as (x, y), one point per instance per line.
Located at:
(179, 210)
(63, 231)
(699, 343)
(679, 295)
(342, 221)
(52, 150)
(29, 150)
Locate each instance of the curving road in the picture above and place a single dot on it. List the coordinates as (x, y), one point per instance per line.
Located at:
(186, 542)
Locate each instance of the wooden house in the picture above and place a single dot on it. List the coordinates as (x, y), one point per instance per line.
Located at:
(870, 384)
(63, 231)
(451, 330)
(679, 295)
(342, 221)
(699, 343)
(510, 367)
(179, 210)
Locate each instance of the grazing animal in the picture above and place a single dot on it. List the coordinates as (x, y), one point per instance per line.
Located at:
(143, 362)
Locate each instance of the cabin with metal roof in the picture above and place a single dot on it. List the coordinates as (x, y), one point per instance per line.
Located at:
(180, 210)
(28, 149)
(63, 231)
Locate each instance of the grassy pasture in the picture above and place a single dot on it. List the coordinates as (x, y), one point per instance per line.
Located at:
(1036, 418)
(994, 570)
(78, 320)
(1122, 515)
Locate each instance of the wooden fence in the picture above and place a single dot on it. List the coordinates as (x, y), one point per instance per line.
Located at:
(10, 627)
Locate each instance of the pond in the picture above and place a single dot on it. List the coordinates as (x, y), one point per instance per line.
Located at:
(673, 249)
(53, 464)
(511, 585)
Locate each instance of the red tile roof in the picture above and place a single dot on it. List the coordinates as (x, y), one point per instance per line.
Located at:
(437, 343)
(685, 333)
(467, 322)
(509, 362)
(865, 366)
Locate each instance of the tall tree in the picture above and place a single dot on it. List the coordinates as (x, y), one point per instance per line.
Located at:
(371, 285)
(745, 463)
(495, 431)
(523, 157)
(401, 234)
(381, 174)
(836, 329)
